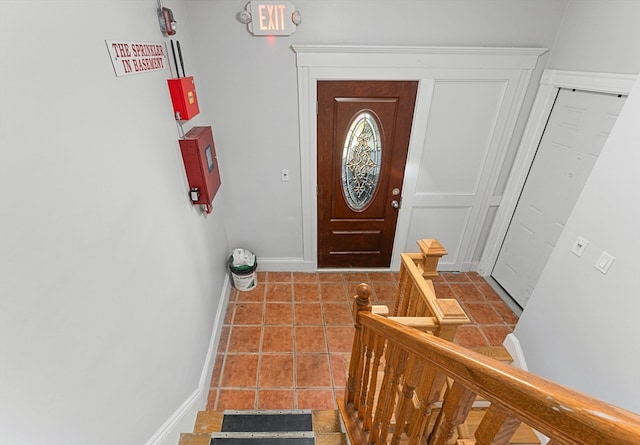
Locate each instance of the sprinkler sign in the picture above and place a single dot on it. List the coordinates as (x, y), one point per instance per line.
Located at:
(136, 57)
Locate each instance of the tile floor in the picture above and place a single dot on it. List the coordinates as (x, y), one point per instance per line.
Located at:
(286, 344)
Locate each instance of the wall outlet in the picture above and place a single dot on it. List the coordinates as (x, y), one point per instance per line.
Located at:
(579, 245)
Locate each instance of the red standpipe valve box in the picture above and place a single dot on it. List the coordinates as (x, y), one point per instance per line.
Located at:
(183, 97)
(200, 163)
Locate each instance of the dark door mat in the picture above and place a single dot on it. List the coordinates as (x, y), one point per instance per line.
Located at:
(267, 422)
(263, 441)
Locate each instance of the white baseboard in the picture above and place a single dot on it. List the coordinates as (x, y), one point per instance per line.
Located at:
(512, 345)
(283, 264)
(183, 419)
(207, 370)
(167, 431)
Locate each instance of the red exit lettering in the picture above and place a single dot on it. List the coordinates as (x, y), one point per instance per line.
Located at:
(271, 17)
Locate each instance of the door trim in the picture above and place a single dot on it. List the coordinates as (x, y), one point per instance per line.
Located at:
(424, 64)
(550, 82)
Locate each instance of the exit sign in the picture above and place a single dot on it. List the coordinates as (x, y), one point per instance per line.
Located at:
(272, 18)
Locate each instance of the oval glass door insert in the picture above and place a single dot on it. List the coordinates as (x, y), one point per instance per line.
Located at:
(361, 159)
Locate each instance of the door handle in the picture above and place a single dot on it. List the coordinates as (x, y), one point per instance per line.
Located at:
(395, 204)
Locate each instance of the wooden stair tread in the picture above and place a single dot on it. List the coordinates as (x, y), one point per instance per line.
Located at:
(523, 436)
(195, 439)
(331, 439)
(208, 422)
(326, 421)
(326, 425)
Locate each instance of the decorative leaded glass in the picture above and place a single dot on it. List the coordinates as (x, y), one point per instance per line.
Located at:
(361, 159)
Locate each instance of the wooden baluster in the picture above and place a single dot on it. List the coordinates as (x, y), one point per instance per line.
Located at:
(422, 308)
(429, 392)
(458, 401)
(497, 427)
(407, 295)
(400, 360)
(403, 279)
(361, 302)
(367, 338)
(415, 299)
(386, 397)
(377, 356)
(405, 405)
(384, 388)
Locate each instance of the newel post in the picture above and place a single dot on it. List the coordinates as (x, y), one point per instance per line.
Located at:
(432, 251)
(361, 302)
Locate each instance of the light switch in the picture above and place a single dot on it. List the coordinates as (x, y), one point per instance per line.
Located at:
(604, 262)
(579, 245)
(284, 175)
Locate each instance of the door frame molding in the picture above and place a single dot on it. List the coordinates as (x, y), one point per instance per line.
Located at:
(550, 83)
(357, 62)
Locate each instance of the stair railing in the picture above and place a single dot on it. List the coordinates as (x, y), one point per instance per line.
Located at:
(416, 300)
(408, 403)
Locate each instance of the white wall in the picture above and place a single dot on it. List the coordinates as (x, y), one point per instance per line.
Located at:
(581, 327)
(600, 36)
(110, 278)
(252, 89)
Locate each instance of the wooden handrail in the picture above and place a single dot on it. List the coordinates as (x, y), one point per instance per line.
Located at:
(416, 297)
(418, 364)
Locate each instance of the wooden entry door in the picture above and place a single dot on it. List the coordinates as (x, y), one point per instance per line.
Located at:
(363, 138)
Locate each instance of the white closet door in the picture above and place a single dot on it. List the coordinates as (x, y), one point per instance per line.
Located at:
(577, 129)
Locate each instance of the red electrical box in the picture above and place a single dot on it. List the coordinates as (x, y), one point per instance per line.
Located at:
(201, 165)
(183, 97)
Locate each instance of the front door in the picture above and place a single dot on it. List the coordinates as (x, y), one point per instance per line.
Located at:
(363, 139)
